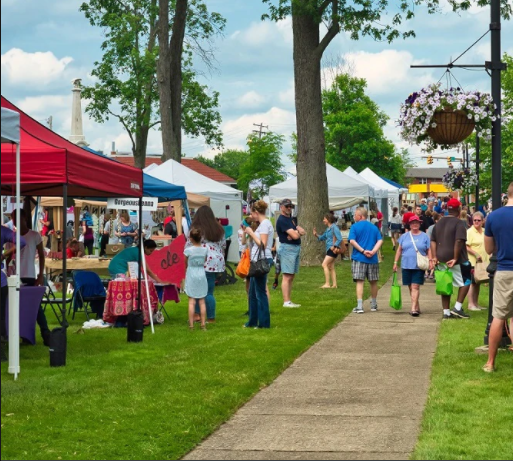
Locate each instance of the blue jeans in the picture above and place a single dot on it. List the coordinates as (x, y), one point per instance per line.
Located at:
(259, 315)
(210, 301)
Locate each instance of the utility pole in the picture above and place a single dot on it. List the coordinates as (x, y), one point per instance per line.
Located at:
(477, 172)
(496, 66)
(259, 131)
(49, 120)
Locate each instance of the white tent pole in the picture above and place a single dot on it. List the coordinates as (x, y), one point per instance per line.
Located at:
(14, 286)
(150, 311)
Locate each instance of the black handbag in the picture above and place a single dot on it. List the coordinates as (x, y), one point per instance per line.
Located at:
(261, 266)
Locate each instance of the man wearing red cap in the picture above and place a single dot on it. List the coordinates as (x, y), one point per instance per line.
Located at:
(448, 245)
(499, 238)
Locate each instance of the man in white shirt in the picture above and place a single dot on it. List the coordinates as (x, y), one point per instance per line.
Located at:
(34, 244)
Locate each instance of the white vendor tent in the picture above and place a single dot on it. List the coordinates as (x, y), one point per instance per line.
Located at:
(225, 201)
(343, 190)
(377, 192)
(393, 192)
(11, 135)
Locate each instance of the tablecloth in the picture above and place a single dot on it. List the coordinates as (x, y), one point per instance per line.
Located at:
(122, 297)
(30, 299)
(168, 293)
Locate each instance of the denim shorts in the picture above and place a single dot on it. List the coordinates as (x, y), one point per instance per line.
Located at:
(413, 276)
(289, 258)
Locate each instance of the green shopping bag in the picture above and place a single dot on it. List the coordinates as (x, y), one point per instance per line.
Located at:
(443, 278)
(396, 301)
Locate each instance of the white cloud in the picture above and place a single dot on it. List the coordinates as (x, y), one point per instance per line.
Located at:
(39, 68)
(388, 71)
(287, 96)
(265, 33)
(251, 99)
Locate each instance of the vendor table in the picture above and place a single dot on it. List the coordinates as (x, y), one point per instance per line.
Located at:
(122, 297)
(78, 264)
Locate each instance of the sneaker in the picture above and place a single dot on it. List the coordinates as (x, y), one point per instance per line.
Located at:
(460, 313)
(358, 310)
(291, 304)
(374, 308)
(474, 308)
(447, 317)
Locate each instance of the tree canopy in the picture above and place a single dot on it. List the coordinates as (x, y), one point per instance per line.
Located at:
(229, 162)
(354, 130)
(264, 167)
(126, 81)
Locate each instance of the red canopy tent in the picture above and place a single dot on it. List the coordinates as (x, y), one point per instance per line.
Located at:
(53, 166)
(49, 161)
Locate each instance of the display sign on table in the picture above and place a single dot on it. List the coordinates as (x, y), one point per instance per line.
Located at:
(168, 263)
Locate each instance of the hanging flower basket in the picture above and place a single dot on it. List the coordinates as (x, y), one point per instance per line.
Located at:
(463, 179)
(442, 118)
(450, 126)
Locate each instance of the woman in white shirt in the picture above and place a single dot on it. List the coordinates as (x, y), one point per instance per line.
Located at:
(396, 222)
(263, 236)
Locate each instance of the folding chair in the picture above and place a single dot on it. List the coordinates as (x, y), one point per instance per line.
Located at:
(49, 299)
(89, 293)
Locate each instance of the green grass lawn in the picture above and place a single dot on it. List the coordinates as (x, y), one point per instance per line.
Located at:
(159, 398)
(469, 414)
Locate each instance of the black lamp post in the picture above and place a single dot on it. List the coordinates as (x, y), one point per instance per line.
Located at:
(496, 66)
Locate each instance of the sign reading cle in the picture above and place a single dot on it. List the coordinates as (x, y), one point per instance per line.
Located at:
(148, 203)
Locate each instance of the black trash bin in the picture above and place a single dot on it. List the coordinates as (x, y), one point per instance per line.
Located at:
(58, 347)
(135, 327)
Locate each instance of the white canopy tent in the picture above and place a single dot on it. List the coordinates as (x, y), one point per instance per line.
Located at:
(344, 191)
(225, 201)
(393, 192)
(378, 193)
(11, 135)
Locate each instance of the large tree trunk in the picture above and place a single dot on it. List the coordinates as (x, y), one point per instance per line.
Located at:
(169, 72)
(312, 184)
(139, 151)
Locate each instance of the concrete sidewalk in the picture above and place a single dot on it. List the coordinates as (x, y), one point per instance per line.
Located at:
(359, 393)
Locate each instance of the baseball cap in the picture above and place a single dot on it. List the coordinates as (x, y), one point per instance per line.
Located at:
(414, 218)
(453, 203)
(423, 200)
(286, 202)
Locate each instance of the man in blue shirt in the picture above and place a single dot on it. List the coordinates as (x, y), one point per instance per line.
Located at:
(366, 240)
(499, 238)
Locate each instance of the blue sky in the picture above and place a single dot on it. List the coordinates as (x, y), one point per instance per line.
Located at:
(47, 43)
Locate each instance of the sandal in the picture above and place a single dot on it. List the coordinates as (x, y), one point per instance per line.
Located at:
(203, 327)
(488, 369)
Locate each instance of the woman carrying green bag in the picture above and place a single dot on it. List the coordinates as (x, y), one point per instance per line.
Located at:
(414, 249)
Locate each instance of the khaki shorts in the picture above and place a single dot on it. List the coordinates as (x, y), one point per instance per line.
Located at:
(503, 295)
